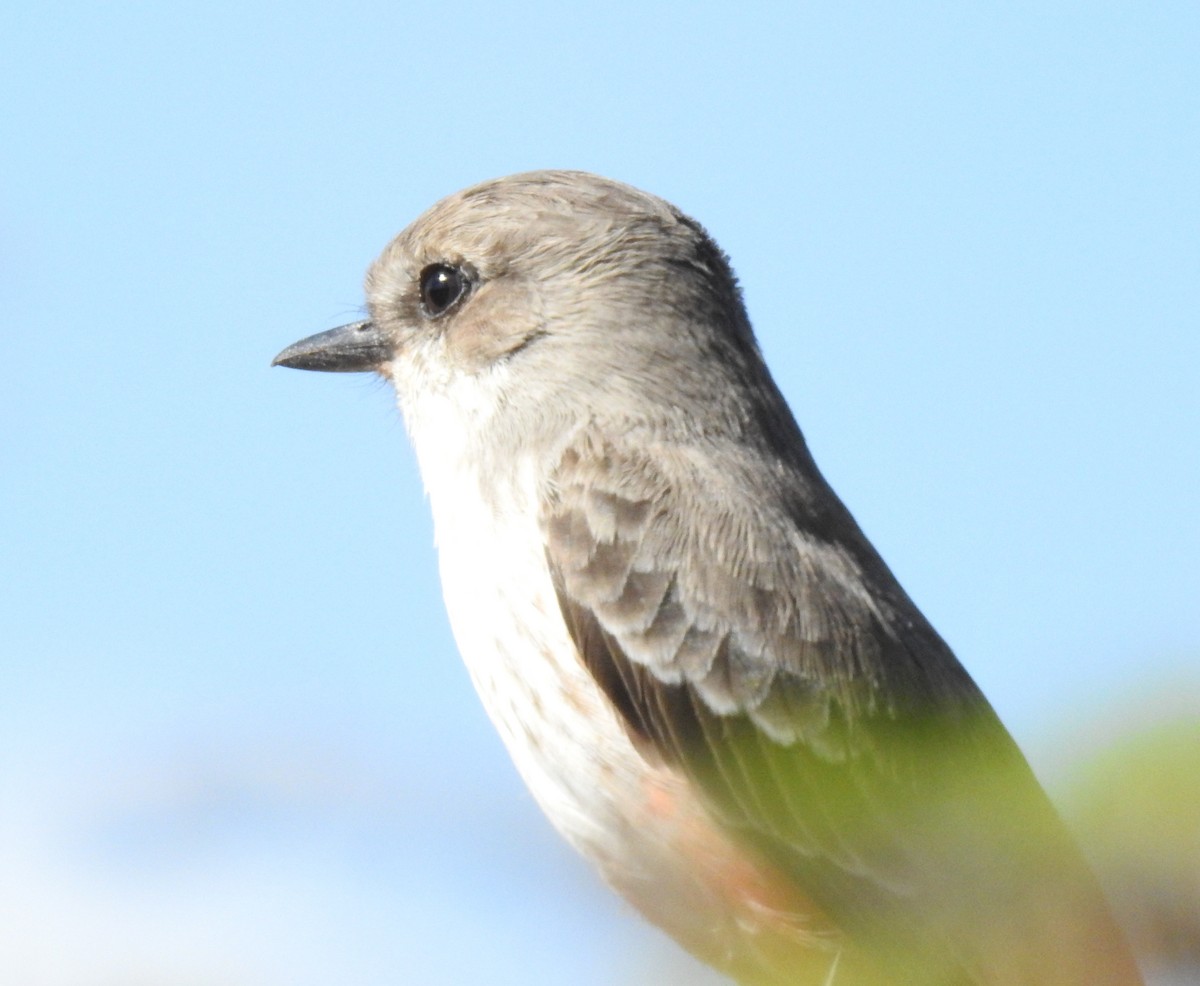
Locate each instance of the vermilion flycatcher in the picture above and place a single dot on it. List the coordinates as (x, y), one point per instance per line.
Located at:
(707, 676)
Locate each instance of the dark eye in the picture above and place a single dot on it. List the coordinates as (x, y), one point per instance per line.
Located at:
(441, 286)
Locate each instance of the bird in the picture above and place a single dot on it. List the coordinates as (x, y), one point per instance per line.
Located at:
(706, 675)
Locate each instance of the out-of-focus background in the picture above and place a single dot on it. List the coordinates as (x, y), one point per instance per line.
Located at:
(236, 743)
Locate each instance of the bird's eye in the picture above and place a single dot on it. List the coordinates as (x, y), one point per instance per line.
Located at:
(441, 287)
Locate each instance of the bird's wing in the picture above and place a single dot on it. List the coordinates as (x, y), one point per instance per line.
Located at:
(764, 650)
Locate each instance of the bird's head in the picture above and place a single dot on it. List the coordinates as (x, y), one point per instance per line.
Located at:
(550, 294)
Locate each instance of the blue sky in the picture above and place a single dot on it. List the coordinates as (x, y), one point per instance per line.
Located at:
(236, 743)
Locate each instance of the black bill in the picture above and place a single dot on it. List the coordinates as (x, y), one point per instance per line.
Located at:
(353, 348)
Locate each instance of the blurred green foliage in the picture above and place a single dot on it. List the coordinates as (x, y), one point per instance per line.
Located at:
(1136, 809)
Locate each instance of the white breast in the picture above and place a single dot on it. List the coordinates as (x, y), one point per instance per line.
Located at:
(561, 732)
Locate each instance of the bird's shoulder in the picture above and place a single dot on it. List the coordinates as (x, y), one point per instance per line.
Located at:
(743, 577)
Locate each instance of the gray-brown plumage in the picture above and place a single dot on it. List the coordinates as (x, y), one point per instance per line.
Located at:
(708, 677)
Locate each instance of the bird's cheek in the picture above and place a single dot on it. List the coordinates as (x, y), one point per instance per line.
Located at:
(499, 319)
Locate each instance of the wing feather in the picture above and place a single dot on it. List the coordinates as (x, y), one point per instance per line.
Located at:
(766, 652)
